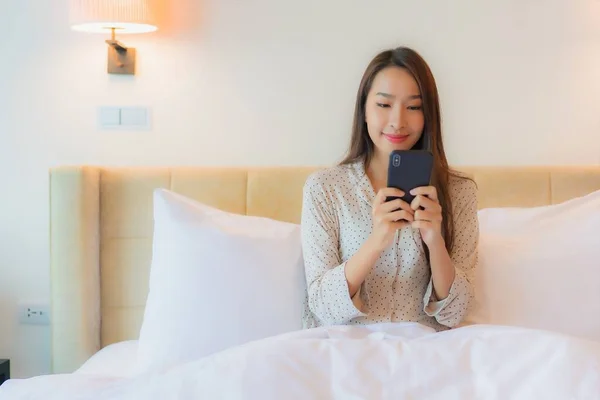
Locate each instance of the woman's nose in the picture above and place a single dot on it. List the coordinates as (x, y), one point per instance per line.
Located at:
(396, 119)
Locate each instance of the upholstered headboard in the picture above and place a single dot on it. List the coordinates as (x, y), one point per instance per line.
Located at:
(101, 232)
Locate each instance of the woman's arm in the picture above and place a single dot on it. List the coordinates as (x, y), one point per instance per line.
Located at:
(359, 266)
(450, 292)
(442, 269)
(329, 297)
(388, 217)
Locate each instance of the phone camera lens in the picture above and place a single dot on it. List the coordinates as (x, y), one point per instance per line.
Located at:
(396, 160)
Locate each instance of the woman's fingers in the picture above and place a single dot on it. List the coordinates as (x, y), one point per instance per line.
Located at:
(424, 202)
(428, 191)
(400, 215)
(396, 204)
(384, 193)
(424, 215)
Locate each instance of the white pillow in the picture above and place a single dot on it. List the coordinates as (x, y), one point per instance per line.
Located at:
(540, 267)
(115, 360)
(217, 280)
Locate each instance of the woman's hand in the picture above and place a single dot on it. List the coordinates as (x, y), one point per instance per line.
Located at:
(427, 213)
(388, 217)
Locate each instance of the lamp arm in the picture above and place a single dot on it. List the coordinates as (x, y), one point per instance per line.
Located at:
(115, 43)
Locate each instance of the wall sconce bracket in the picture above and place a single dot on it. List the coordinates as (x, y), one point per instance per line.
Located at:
(121, 59)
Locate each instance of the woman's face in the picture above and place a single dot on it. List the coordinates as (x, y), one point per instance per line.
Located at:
(393, 111)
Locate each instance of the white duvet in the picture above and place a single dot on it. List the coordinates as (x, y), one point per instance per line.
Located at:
(387, 361)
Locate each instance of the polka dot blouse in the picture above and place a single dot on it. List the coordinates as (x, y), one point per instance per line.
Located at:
(336, 221)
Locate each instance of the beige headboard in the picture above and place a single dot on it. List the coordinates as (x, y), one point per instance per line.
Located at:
(101, 232)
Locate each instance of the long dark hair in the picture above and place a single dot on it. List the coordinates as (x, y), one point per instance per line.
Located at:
(362, 148)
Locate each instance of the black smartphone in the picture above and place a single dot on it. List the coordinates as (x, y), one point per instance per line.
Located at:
(409, 169)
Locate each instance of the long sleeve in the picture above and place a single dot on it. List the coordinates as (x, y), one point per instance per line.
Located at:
(453, 309)
(328, 295)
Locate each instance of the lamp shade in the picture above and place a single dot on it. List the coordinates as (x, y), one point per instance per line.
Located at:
(125, 16)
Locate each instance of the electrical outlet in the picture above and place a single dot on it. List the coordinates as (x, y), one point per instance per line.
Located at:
(34, 314)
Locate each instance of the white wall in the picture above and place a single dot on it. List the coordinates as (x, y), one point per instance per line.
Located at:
(519, 82)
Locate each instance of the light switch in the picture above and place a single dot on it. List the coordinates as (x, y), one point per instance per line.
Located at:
(110, 116)
(124, 118)
(135, 117)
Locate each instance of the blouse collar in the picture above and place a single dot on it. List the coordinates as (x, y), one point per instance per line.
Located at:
(363, 183)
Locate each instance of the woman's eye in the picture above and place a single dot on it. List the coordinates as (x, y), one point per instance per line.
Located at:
(382, 105)
(414, 107)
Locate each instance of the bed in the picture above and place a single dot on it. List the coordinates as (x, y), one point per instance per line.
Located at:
(139, 312)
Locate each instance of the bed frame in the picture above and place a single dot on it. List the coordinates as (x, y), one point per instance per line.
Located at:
(101, 232)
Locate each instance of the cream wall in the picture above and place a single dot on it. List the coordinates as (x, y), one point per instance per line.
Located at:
(519, 83)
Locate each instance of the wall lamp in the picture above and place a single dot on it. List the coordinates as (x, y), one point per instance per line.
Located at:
(114, 17)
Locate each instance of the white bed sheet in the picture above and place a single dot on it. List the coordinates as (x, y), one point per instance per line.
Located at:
(115, 360)
(385, 361)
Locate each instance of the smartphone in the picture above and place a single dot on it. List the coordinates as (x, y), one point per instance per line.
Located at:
(409, 169)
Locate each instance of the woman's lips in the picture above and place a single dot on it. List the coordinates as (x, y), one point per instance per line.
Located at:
(395, 138)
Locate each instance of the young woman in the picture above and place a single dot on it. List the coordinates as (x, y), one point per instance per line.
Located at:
(368, 260)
